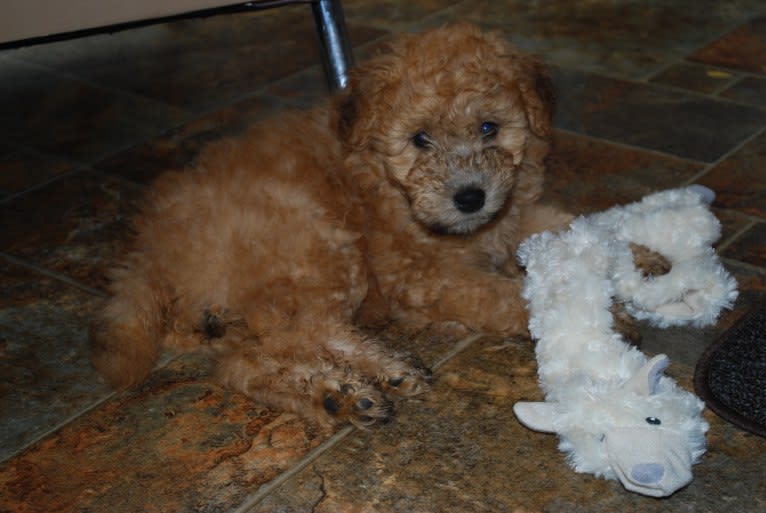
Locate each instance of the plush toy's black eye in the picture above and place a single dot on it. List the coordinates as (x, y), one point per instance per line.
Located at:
(421, 140)
(488, 129)
(654, 421)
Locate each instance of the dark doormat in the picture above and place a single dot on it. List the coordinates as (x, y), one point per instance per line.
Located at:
(731, 374)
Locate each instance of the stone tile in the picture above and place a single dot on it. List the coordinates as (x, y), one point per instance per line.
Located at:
(392, 14)
(743, 48)
(302, 90)
(461, 449)
(750, 90)
(695, 77)
(588, 175)
(200, 64)
(630, 39)
(74, 226)
(45, 374)
(178, 147)
(651, 117)
(72, 119)
(177, 443)
(740, 181)
(750, 247)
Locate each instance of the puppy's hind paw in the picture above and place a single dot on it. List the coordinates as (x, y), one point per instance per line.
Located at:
(358, 403)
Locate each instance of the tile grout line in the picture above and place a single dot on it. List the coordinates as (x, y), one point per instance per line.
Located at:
(59, 426)
(731, 240)
(76, 77)
(729, 85)
(460, 346)
(52, 274)
(713, 39)
(161, 363)
(734, 262)
(278, 481)
(328, 444)
(41, 185)
(679, 91)
(632, 147)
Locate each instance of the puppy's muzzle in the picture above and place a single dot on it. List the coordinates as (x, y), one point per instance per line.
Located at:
(469, 199)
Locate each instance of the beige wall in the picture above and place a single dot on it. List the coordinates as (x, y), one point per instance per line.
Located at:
(23, 19)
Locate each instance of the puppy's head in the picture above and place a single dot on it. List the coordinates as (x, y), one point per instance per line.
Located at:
(458, 120)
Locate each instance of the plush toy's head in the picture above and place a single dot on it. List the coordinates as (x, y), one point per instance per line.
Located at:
(647, 432)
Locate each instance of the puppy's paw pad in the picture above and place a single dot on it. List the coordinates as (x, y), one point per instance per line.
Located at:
(363, 406)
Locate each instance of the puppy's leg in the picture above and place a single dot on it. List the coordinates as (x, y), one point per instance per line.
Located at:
(314, 388)
(480, 300)
(394, 373)
(485, 302)
(320, 369)
(542, 217)
(125, 337)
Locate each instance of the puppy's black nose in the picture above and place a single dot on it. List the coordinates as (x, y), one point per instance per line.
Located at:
(469, 200)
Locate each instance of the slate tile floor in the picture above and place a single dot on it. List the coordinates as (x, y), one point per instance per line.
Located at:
(652, 95)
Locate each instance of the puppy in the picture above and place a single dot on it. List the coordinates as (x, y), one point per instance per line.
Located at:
(404, 200)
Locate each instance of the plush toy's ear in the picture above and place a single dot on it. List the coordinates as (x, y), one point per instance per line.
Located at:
(536, 416)
(647, 379)
(706, 194)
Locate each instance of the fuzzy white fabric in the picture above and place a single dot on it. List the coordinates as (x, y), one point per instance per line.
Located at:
(616, 414)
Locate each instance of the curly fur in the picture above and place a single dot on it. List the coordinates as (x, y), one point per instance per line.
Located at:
(616, 414)
(277, 245)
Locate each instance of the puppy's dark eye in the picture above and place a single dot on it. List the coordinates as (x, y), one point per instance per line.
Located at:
(654, 421)
(421, 140)
(488, 130)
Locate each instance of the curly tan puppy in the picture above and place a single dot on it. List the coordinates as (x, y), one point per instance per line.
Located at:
(406, 200)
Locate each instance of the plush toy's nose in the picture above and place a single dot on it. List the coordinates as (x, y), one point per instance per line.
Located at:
(650, 461)
(647, 473)
(469, 199)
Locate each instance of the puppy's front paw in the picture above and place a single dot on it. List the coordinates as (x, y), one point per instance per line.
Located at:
(407, 379)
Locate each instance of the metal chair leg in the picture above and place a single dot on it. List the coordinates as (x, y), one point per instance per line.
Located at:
(336, 51)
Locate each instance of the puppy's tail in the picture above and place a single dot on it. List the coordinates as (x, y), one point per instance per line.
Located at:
(125, 337)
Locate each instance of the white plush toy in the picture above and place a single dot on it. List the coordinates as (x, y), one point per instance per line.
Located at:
(616, 414)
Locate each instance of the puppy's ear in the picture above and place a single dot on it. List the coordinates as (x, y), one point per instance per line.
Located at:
(357, 108)
(538, 94)
(346, 115)
(533, 81)
(363, 105)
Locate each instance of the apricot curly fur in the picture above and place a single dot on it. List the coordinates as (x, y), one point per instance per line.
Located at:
(312, 224)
